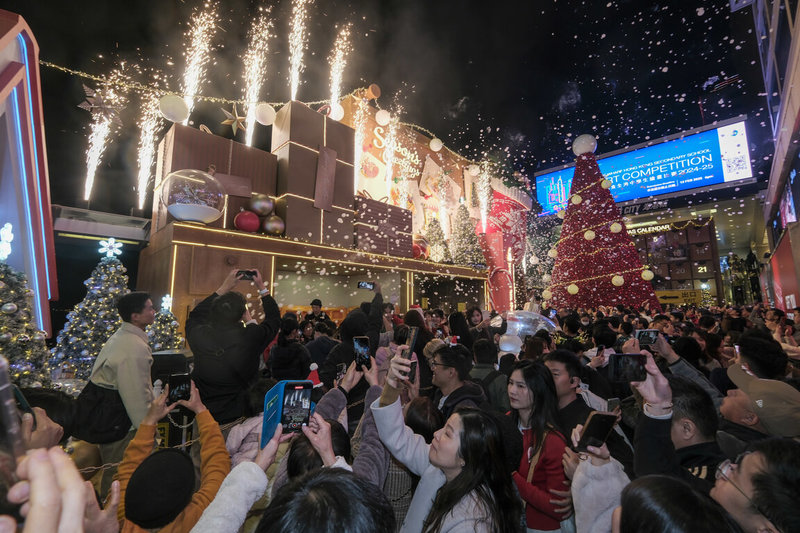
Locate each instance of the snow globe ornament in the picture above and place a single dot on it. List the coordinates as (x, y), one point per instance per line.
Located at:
(193, 196)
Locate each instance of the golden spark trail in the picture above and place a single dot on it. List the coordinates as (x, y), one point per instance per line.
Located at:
(103, 126)
(255, 70)
(297, 44)
(484, 190)
(149, 124)
(360, 125)
(338, 62)
(200, 34)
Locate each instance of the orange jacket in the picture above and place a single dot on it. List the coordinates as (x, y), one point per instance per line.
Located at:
(215, 465)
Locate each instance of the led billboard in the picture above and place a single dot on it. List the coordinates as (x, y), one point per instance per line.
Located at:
(711, 157)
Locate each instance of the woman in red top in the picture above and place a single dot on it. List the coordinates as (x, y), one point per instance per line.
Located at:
(534, 406)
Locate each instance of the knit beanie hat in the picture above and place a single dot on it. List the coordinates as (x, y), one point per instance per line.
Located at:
(159, 489)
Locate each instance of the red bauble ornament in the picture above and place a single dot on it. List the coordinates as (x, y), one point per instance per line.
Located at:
(420, 247)
(247, 221)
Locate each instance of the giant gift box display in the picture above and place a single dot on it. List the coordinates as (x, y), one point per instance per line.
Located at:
(242, 170)
(315, 175)
(382, 228)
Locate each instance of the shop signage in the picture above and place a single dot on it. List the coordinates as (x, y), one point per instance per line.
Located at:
(690, 297)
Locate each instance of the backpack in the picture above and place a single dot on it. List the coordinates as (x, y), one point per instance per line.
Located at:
(484, 385)
(100, 415)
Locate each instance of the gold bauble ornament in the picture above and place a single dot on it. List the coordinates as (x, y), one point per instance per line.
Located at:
(618, 281)
(546, 294)
(576, 199)
(552, 253)
(616, 227)
(589, 235)
(572, 288)
(561, 214)
(606, 184)
(647, 275)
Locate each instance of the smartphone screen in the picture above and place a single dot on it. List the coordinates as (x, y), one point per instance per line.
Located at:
(341, 370)
(11, 445)
(180, 387)
(626, 367)
(366, 285)
(412, 374)
(596, 430)
(296, 406)
(246, 275)
(553, 313)
(647, 337)
(361, 346)
(411, 340)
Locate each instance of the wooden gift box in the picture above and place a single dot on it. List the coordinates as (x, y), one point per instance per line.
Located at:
(242, 170)
(315, 175)
(382, 228)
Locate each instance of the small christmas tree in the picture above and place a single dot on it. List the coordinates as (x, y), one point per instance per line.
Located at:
(439, 252)
(95, 319)
(163, 332)
(21, 342)
(596, 261)
(464, 245)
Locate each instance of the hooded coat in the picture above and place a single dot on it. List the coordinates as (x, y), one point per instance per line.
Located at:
(356, 324)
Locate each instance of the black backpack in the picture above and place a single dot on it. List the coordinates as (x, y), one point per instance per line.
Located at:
(484, 385)
(100, 415)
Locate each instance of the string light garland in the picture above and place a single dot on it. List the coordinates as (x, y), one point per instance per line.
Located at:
(595, 252)
(607, 275)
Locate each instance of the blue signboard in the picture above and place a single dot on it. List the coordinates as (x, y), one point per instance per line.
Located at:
(711, 157)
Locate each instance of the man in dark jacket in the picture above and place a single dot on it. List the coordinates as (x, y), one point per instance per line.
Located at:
(451, 366)
(322, 344)
(289, 359)
(226, 350)
(356, 324)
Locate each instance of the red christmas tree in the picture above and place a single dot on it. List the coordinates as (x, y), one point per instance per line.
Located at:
(596, 260)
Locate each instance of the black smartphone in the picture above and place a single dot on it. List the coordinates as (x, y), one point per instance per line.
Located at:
(412, 374)
(411, 340)
(296, 405)
(596, 430)
(246, 275)
(180, 387)
(646, 337)
(613, 404)
(627, 367)
(341, 370)
(361, 345)
(366, 285)
(11, 445)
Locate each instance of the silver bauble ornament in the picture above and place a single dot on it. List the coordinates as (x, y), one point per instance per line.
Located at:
(274, 225)
(5, 337)
(10, 308)
(261, 204)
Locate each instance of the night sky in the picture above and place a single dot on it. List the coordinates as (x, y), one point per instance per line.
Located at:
(516, 77)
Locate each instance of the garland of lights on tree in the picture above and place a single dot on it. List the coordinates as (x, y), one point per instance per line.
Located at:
(93, 320)
(596, 260)
(163, 334)
(437, 245)
(21, 342)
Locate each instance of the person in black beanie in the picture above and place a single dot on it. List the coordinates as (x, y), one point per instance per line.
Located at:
(289, 359)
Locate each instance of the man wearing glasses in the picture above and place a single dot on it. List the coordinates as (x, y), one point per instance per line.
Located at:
(759, 489)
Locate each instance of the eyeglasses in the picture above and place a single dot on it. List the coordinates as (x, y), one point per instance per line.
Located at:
(433, 364)
(723, 471)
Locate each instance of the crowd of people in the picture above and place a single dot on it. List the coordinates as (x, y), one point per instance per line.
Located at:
(468, 428)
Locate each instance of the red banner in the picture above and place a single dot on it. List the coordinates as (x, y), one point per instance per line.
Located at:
(509, 218)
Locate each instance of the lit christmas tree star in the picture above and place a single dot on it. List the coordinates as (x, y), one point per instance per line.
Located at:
(110, 247)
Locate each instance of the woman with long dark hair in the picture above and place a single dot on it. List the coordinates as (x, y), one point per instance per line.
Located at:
(464, 485)
(460, 329)
(534, 408)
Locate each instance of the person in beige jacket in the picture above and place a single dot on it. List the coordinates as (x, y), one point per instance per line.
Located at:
(124, 365)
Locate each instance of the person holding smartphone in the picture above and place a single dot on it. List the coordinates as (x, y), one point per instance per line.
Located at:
(356, 324)
(226, 343)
